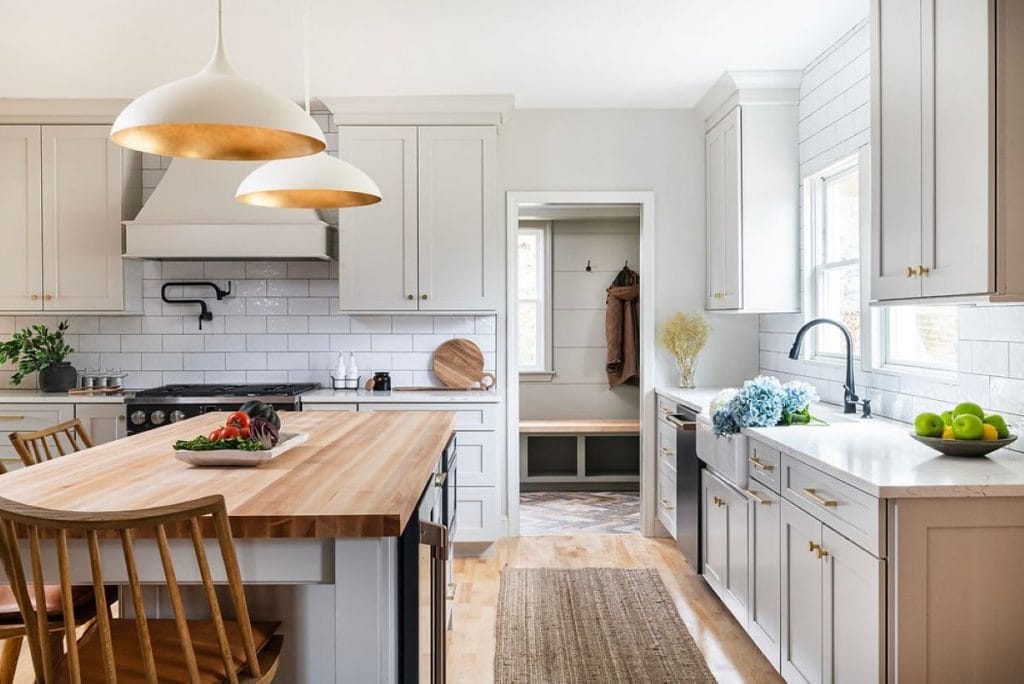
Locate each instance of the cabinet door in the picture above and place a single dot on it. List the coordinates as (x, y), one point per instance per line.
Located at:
(955, 241)
(459, 266)
(21, 259)
(737, 561)
(103, 422)
(897, 161)
(1009, 178)
(724, 213)
(714, 526)
(27, 418)
(377, 245)
(82, 264)
(666, 504)
(801, 597)
(852, 603)
(765, 606)
(478, 457)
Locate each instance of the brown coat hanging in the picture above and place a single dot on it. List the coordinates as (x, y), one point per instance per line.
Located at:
(622, 329)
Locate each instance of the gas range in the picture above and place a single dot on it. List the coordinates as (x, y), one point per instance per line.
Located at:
(152, 408)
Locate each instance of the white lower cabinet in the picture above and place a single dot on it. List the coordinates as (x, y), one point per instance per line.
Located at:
(103, 422)
(764, 621)
(477, 514)
(27, 418)
(666, 503)
(726, 550)
(832, 604)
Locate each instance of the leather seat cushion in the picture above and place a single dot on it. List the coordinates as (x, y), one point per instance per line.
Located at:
(9, 612)
(170, 663)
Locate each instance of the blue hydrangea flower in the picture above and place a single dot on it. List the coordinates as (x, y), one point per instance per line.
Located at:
(796, 396)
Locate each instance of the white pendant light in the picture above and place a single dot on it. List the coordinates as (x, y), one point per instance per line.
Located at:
(318, 181)
(217, 114)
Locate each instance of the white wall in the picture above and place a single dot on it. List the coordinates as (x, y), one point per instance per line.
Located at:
(638, 149)
(835, 123)
(579, 388)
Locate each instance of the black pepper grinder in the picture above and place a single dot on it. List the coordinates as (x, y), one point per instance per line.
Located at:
(381, 381)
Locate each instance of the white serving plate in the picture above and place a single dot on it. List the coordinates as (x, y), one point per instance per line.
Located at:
(238, 457)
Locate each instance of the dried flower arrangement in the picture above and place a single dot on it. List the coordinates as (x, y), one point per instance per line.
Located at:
(684, 336)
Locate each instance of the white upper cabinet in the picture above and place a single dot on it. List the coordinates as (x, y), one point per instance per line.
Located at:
(752, 193)
(432, 243)
(377, 244)
(931, 158)
(458, 261)
(21, 233)
(64, 193)
(1009, 157)
(83, 269)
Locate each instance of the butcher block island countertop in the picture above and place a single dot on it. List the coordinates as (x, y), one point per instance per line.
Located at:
(358, 475)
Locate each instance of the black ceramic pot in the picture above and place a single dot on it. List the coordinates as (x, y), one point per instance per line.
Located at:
(59, 378)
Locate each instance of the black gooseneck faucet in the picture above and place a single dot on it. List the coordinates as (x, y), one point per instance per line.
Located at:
(850, 397)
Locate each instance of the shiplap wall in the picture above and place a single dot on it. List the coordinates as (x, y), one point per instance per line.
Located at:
(579, 388)
(280, 324)
(835, 123)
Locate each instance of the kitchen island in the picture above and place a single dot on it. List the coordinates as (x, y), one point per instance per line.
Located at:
(317, 529)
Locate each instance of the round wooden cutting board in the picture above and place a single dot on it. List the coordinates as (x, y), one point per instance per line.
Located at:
(460, 363)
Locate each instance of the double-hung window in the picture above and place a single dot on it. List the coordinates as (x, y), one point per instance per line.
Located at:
(534, 279)
(833, 198)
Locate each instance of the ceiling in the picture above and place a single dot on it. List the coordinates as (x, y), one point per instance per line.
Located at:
(548, 53)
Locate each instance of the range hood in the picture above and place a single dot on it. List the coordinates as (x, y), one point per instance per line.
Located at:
(192, 214)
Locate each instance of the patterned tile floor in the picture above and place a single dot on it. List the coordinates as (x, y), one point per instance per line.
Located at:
(544, 513)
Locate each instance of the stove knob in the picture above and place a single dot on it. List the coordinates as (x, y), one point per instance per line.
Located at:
(157, 417)
(177, 414)
(138, 417)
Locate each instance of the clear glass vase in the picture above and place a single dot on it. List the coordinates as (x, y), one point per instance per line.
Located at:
(686, 367)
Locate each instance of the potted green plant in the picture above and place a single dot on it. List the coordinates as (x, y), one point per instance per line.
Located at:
(684, 336)
(37, 349)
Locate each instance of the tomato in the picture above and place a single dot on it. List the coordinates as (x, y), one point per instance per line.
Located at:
(229, 432)
(246, 434)
(216, 435)
(238, 419)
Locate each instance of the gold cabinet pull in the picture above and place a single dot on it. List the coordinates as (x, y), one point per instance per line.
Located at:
(923, 270)
(450, 594)
(12, 417)
(820, 552)
(757, 499)
(440, 479)
(813, 495)
(761, 465)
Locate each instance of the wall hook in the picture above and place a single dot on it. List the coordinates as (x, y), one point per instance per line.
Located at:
(589, 269)
(204, 312)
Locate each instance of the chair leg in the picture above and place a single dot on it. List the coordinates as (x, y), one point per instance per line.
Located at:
(10, 651)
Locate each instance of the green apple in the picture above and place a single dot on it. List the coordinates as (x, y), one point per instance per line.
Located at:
(969, 408)
(929, 425)
(967, 426)
(947, 417)
(999, 423)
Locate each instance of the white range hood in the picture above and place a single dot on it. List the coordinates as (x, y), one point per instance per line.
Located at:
(192, 214)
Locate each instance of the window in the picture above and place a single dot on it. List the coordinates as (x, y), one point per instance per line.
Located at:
(921, 337)
(834, 211)
(534, 298)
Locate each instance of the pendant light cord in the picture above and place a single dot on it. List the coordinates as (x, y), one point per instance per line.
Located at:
(305, 51)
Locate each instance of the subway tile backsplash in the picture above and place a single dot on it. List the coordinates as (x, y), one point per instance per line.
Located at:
(280, 324)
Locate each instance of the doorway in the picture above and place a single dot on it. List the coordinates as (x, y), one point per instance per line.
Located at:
(580, 463)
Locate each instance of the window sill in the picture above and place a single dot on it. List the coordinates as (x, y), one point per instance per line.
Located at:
(536, 376)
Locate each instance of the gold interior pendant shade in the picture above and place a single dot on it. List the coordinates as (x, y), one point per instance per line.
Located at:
(315, 182)
(217, 114)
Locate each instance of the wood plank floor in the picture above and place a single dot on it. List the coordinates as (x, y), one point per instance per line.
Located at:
(729, 652)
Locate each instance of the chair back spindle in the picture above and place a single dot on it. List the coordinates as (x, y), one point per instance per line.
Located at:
(24, 526)
(34, 447)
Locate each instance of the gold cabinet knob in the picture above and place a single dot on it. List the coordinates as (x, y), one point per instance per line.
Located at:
(820, 552)
(811, 546)
(34, 297)
(410, 297)
(923, 270)
(911, 272)
(47, 297)
(423, 296)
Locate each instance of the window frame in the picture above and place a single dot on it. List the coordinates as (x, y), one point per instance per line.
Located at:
(815, 188)
(545, 352)
(903, 367)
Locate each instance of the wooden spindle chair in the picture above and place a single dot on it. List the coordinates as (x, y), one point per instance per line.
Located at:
(34, 448)
(140, 649)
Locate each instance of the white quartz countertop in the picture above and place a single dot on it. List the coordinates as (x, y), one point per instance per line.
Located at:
(27, 396)
(328, 396)
(878, 455)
